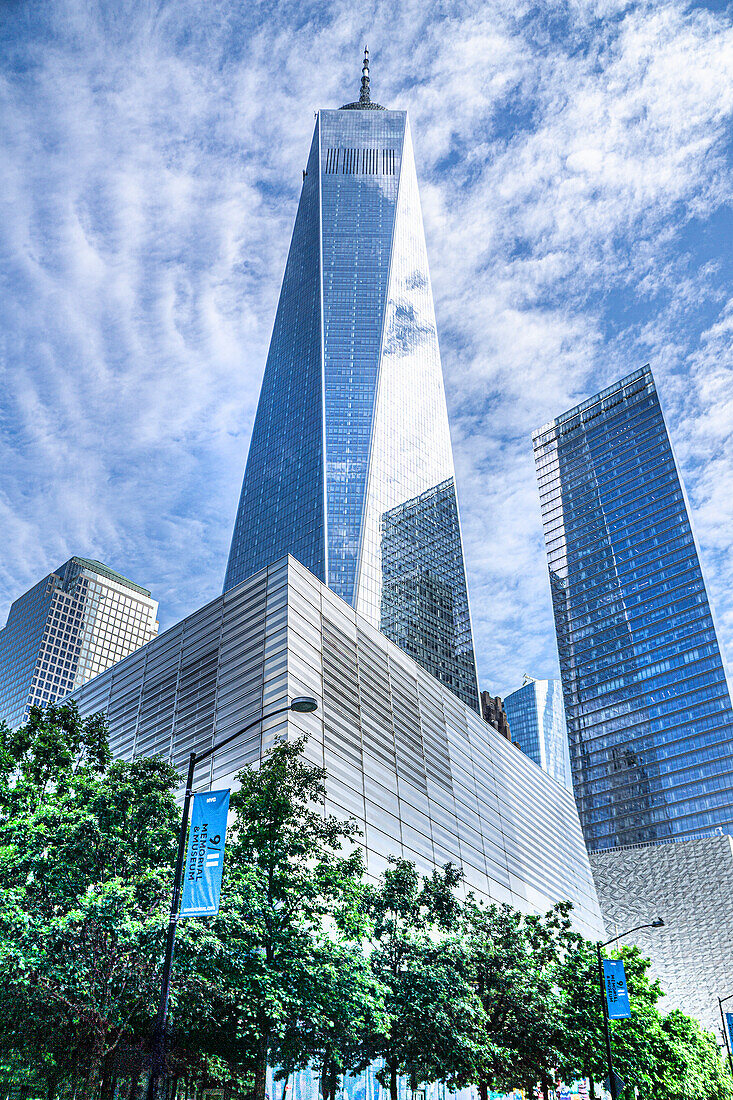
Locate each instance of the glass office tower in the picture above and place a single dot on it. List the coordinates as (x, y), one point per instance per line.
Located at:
(350, 467)
(76, 622)
(646, 700)
(536, 717)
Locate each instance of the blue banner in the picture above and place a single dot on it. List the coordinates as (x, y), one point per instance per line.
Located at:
(617, 995)
(729, 1026)
(205, 855)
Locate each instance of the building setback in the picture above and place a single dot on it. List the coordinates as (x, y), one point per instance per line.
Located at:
(69, 627)
(690, 885)
(537, 723)
(423, 775)
(350, 467)
(646, 700)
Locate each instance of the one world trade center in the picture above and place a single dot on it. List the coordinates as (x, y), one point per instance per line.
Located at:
(350, 467)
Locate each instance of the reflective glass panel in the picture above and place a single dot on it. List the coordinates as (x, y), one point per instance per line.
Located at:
(647, 704)
(361, 155)
(281, 505)
(536, 719)
(365, 405)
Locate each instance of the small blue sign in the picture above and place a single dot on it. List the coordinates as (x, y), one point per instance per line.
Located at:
(205, 855)
(729, 1027)
(617, 994)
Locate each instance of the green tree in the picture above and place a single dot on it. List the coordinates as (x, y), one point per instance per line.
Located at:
(243, 978)
(340, 1005)
(46, 754)
(514, 964)
(304, 965)
(433, 1016)
(688, 1062)
(663, 1056)
(85, 854)
(635, 1040)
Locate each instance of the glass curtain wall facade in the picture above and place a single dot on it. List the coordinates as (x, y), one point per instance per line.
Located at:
(72, 625)
(352, 424)
(646, 699)
(536, 719)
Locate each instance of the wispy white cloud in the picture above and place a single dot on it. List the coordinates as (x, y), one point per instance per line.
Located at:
(567, 256)
(574, 164)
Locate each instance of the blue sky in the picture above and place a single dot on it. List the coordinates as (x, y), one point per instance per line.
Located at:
(575, 169)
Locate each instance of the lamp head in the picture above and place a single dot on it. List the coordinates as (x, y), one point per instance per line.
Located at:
(304, 704)
(657, 923)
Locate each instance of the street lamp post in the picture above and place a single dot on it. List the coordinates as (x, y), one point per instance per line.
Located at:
(303, 704)
(726, 1037)
(657, 923)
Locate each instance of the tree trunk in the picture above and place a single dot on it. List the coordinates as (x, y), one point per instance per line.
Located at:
(329, 1075)
(545, 1087)
(109, 1081)
(260, 1084)
(134, 1082)
(483, 1090)
(393, 1092)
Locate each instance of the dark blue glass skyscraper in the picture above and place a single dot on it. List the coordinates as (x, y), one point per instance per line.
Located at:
(646, 699)
(350, 467)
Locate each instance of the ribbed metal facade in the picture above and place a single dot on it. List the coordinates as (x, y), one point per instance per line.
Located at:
(421, 772)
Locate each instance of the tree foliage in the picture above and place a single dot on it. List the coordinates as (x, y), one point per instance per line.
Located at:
(515, 967)
(431, 1010)
(307, 963)
(688, 1062)
(257, 968)
(85, 850)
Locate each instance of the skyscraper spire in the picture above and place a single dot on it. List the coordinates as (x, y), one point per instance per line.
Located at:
(364, 102)
(364, 97)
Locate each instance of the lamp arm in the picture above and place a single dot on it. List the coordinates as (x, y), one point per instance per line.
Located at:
(628, 932)
(220, 744)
